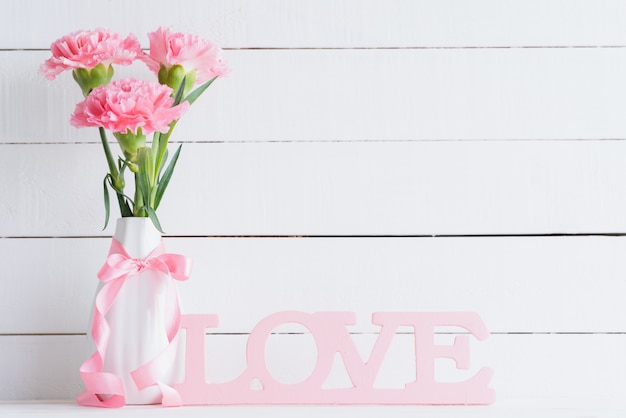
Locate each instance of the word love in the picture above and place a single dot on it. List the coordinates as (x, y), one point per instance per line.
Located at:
(329, 329)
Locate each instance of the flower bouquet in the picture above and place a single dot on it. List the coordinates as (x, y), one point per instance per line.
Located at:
(136, 314)
(132, 109)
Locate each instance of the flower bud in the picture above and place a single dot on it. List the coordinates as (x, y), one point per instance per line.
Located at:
(89, 79)
(118, 183)
(173, 77)
(130, 144)
(163, 74)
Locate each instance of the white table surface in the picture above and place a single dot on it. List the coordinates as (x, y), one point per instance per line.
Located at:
(70, 409)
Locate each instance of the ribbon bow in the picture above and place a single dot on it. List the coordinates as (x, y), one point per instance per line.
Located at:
(106, 389)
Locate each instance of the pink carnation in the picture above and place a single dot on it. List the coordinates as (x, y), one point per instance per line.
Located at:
(127, 105)
(86, 49)
(190, 51)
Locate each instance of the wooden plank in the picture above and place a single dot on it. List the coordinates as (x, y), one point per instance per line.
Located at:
(359, 95)
(374, 188)
(555, 371)
(534, 284)
(329, 23)
(41, 367)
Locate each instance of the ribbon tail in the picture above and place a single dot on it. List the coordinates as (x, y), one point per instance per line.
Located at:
(171, 397)
(151, 373)
(103, 390)
(89, 399)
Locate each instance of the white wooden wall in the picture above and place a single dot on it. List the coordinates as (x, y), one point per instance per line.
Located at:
(402, 155)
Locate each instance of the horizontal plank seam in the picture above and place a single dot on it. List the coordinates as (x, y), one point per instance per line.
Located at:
(340, 141)
(78, 334)
(418, 47)
(404, 47)
(383, 236)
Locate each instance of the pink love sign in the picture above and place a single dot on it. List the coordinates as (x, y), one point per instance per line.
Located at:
(329, 329)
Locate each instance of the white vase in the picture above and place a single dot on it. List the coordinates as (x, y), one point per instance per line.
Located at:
(137, 316)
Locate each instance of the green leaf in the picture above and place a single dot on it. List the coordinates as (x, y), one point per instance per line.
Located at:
(125, 209)
(179, 92)
(163, 161)
(165, 180)
(156, 143)
(142, 185)
(193, 96)
(107, 203)
(153, 217)
(149, 167)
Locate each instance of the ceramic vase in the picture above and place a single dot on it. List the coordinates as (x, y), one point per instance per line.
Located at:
(137, 316)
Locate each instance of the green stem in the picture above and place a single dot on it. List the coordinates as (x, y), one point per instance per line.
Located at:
(163, 147)
(109, 156)
(138, 208)
(118, 184)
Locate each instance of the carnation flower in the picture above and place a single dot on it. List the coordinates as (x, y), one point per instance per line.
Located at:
(87, 49)
(129, 105)
(200, 59)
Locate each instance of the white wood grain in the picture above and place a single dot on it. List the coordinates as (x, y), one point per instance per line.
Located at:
(399, 188)
(359, 95)
(534, 284)
(344, 118)
(329, 23)
(557, 371)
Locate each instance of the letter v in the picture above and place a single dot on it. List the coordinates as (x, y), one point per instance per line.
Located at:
(362, 374)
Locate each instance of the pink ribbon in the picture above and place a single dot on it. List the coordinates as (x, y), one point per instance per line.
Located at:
(106, 389)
